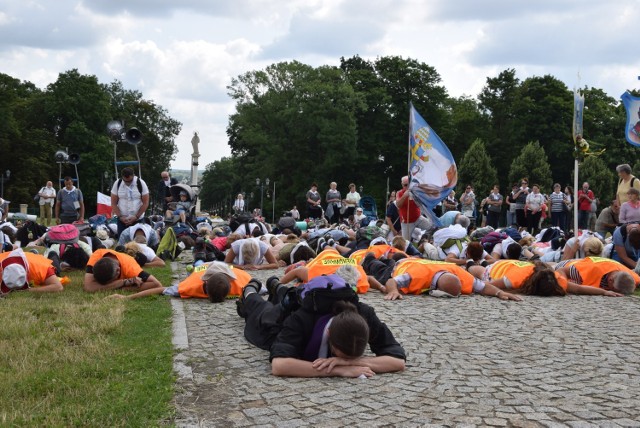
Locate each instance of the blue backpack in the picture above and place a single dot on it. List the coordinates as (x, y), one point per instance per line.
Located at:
(320, 293)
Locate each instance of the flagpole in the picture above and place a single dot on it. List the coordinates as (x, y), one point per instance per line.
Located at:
(409, 157)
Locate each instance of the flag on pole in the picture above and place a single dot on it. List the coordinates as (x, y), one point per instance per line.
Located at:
(104, 205)
(578, 108)
(432, 169)
(632, 129)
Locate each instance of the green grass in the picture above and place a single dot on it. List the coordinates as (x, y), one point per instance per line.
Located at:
(79, 359)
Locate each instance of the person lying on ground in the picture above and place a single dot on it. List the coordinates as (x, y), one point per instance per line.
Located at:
(111, 270)
(601, 273)
(27, 271)
(251, 254)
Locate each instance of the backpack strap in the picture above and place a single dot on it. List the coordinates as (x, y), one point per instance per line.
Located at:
(138, 183)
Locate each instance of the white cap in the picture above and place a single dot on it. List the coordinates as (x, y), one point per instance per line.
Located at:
(14, 276)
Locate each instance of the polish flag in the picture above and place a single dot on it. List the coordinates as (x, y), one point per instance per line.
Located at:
(104, 205)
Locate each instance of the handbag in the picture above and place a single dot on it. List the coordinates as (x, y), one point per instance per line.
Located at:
(36, 198)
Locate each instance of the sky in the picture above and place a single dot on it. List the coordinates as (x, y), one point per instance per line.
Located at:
(183, 54)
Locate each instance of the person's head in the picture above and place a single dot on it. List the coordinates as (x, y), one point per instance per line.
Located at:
(139, 236)
(462, 220)
(106, 270)
(633, 194)
(449, 283)
(399, 243)
(314, 186)
(615, 206)
(468, 189)
(557, 187)
(127, 175)
(359, 211)
(333, 185)
(397, 256)
(183, 195)
(475, 250)
(568, 190)
(514, 250)
(165, 176)
(250, 251)
(76, 257)
(592, 247)
(524, 182)
(239, 196)
(68, 182)
(352, 187)
(405, 181)
(392, 196)
(542, 282)
(49, 184)
(348, 332)
(623, 170)
(515, 187)
(217, 287)
(621, 282)
(303, 253)
(535, 188)
(634, 238)
(495, 189)
(349, 273)
(233, 238)
(585, 186)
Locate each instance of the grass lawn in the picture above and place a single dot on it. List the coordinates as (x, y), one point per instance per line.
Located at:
(79, 359)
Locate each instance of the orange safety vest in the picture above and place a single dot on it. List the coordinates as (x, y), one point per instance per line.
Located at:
(378, 251)
(329, 261)
(592, 269)
(193, 286)
(39, 266)
(423, 270)
(517, 272)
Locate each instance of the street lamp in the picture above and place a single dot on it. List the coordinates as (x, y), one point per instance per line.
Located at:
(5, 177)
(361, 189)
(262, 184)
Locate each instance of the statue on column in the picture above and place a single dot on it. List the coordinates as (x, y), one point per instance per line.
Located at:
(194, 142)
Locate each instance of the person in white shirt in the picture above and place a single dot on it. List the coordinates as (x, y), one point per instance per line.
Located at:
(129, 199)
(47, 201)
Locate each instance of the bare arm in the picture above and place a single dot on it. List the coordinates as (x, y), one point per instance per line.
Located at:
(81, 212)
(301, 274)
(51, 285)
(591, 291)
(392, 292)
(378, 364)
(156, 262)
(493, 291)
(624, 258)
(144, 293)
(293, 367)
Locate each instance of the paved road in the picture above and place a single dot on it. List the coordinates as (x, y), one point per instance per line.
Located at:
(472, 361)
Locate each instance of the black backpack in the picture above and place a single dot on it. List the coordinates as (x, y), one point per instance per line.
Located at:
(288, 223)
(240, 219)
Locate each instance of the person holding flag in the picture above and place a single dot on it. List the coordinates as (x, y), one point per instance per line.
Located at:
(407, 208)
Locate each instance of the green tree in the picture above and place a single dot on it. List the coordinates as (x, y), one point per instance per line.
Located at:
(533, 164)
(477, 169)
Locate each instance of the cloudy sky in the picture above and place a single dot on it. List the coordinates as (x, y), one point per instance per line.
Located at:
(182, 54)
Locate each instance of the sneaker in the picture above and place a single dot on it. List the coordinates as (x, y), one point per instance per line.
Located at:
(470, 263)
(331, 242)
(272, 284)
(254, 287)
(240, 309)
(321, 244)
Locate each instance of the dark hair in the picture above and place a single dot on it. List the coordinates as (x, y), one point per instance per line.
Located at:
(399, 255)
(303, 253)
(475, 250)
(542, 282)
(104, 270)
(349, 332)
(217, 287)
(634, 238)
(127, 172)
(513, 251)
(75, 256)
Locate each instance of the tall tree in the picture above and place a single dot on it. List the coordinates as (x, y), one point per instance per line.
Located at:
(533, 164)
(477, 169)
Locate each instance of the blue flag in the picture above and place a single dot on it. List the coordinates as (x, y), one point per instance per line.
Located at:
(432, 169)
(578, 109)
(632, 129)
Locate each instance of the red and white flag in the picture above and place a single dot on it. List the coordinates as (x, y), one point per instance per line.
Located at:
(104, 205)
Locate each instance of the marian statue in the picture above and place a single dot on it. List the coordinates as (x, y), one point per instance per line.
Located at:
(194, 142)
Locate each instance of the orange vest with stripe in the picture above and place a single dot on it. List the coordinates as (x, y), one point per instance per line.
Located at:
(193, 286)
(592, 269)
(329, 261)
(517, 272)
(39, 266)
(423, 270)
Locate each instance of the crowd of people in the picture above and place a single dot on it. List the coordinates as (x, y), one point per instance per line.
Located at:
(406, 253)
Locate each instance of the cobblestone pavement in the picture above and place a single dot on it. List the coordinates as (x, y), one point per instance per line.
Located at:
(472, 361)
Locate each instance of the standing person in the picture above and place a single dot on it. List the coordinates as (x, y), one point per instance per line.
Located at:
(449, 203)
(4, 210)
(468, 201)
(494, 204)
(129, 199)
(585, 198)
(558, 203)
(295, 213)
(333, 199)
(392, 219)
(314, 209)
(568, 193)
(409, 211)
(351, 201)
(608, 219)
(511, 203)
(69, 203)
(630, 210)
(533, 205)
(521, 200)
(238, 205)
(163, 193)
(626, 181)
(47, 201)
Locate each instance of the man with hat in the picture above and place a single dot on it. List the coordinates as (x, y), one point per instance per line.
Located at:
(129, 199)
(27, 271)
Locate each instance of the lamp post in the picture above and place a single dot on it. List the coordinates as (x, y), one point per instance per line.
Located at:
(5, 177)
(262, 184)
